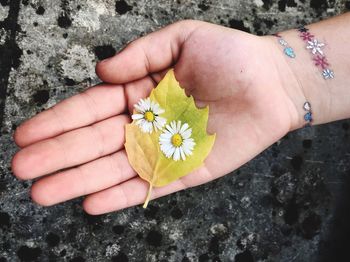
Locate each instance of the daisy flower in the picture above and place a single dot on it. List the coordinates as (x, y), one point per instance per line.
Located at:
(147, 116)
(176, 142)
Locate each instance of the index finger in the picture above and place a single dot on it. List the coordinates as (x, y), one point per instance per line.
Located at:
(93, 105)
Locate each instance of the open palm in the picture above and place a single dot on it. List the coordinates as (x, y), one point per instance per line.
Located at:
(79, 142)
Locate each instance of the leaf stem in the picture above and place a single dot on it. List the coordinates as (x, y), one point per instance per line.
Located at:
(148, 195)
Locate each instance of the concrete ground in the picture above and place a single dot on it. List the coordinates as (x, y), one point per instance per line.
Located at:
(291, 203)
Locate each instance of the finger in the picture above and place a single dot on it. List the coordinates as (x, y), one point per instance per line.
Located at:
(151, 53)
(156, 77)
(133, 192)
(93, 105)
(138, 89)
(85, 179)
(70, 149)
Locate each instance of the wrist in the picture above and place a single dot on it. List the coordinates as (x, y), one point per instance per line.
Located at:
(302, 81)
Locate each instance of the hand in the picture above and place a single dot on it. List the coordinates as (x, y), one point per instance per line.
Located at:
(83, 136)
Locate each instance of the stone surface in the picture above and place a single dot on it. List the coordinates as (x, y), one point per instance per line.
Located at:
(291, 203)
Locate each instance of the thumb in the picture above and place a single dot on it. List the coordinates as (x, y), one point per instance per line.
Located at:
(151, 53)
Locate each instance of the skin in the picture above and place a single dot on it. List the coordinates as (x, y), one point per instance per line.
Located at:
(76, 147)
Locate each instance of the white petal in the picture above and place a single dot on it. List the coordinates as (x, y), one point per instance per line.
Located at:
(168, 150)
(144, 127)
(187, 147)
(186, 150)
(147, 102)
(152, 105)
(156, 125)
(140, 122)
(171, 150)
(147, 127)
(190, 141)
(170, 129)
(178, 127)
(183, 128)
(187, 134)
(150, 127)
(166, 134)
(163, 140)
(182, 153)
(137, 116)
(176, 155)
(139, 108)
(159, 111)
(161, 120)
(173, 126)
(165, 137)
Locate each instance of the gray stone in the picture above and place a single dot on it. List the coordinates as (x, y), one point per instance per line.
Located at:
(291, 203)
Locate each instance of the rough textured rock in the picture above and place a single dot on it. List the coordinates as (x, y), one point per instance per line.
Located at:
(291, 203)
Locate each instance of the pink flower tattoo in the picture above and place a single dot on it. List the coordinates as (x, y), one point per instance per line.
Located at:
(306, 36)
(321, 61)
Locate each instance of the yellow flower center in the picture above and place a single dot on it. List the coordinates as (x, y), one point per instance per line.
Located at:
(149, 116)
(176, 140)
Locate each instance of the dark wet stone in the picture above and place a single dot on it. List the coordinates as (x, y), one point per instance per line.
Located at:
(63, 253)
(118, 229)
(122, 7)
(176, 213)
(311, 225)
(267, 4)
(52, 239)
(4, 2)
(154, 238)
(296, 162)
(347, 5)
(203, 6)
(291, 213)
(121, 257)
(5, 220)
(245, 256)
(40, 10)
(104, 51)
(307, 143)
(41, 97)
(139, 235)
(283, 3)
(69, 82)
(238, 24)
(185, 259)
(318, 4)
(25, 253)
(214, 245)
(64, 21)
(204, 258)
(77, 259)
(151, 212)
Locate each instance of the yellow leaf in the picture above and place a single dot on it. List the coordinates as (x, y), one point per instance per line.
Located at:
(143, 149)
